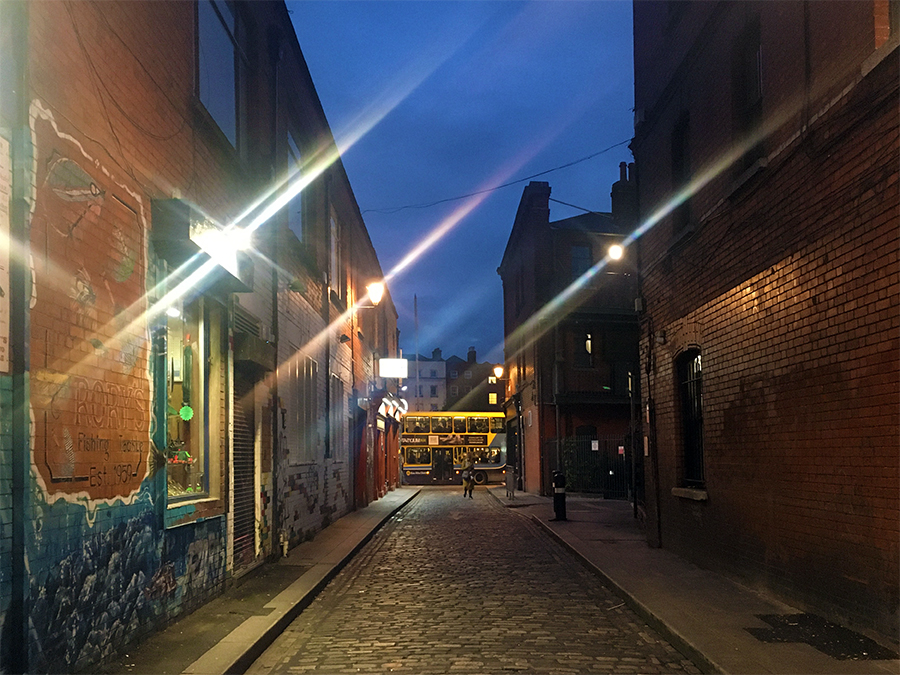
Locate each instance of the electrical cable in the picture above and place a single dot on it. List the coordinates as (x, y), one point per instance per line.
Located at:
(397, 209)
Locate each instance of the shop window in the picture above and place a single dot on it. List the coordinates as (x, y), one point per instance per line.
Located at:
(221, 66)
(690, 396)
(186, 421)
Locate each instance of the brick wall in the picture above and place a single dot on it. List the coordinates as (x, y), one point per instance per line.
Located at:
(789, 289)
(114, 126)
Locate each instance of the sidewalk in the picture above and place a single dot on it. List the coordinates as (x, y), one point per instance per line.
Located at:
(704, 614)
(227, 634)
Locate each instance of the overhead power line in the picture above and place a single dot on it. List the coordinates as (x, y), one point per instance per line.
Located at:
(397, 209)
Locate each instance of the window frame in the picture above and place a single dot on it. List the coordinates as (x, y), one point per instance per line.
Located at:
(689, 391)
(233, 130)
(309, 402)
(747, 93)
(296, 220)
(681, 171)
(580, 263)
(197, 398)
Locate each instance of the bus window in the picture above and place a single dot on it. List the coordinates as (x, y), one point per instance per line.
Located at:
(418, 455)
(416, 425)
(459, 425)
(459, 454)
(478, 425)
(441, 425)
(498, 425)
(487, 455)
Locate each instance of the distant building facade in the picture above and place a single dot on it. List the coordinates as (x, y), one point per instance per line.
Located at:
(472, 385)
(426, 388)
(571, 337)
(767, 145)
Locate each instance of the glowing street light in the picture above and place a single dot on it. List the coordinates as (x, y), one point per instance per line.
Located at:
(375, 291)
(498, 371)
(616, 252)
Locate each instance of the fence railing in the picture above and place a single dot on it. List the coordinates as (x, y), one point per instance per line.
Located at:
(593, 465)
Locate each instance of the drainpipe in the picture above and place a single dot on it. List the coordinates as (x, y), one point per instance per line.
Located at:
(15, 634)
(283, 537)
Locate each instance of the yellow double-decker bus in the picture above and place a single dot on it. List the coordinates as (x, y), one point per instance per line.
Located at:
(433, 447)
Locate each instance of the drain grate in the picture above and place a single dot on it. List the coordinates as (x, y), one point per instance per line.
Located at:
(830, 638)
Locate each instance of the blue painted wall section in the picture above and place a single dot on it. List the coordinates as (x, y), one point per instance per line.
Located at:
(6, 510)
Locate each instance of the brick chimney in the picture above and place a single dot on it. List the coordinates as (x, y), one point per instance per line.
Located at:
(471, 355)
(624, 199)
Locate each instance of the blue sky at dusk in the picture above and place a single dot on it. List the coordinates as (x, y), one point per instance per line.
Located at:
(430, 101)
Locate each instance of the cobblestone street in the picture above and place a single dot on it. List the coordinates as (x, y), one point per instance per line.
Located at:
(453, 585)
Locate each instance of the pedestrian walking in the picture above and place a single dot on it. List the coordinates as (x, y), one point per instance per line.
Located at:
(468, 475)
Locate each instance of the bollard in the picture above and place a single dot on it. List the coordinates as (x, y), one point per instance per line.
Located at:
(559, 495)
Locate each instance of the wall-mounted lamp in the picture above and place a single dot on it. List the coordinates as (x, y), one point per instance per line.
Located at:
(344, 338)
(375, 291)
(661, 337)
(616, 252)
(173, 312)
(498, 371)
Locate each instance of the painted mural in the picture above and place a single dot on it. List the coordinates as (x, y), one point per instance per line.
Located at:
(90, 392)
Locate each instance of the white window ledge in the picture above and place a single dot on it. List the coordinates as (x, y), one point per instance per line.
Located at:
(690, 493)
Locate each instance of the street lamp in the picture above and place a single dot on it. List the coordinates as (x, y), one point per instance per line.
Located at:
(375, 291)
(616, 252)
(498, 371)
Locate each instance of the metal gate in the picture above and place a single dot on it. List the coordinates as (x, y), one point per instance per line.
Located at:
(244, 476)
(594, 465)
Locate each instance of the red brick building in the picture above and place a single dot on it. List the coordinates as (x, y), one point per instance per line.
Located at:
(570, 342)
(766, 139)
(182, 358)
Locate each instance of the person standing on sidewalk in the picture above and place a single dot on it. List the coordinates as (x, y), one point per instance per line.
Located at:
(468, 475)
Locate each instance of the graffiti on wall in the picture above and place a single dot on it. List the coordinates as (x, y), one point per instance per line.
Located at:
(90, 392)
(93, 600)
